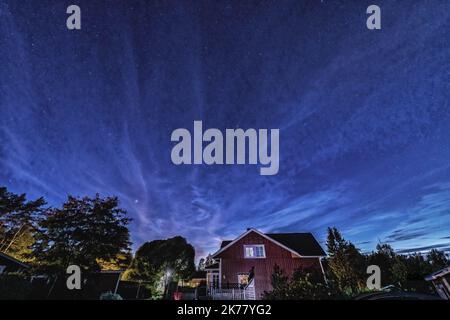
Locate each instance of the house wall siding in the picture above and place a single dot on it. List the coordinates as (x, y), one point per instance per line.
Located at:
(233, 262)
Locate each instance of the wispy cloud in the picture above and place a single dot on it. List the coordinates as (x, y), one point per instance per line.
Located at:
(364, 121)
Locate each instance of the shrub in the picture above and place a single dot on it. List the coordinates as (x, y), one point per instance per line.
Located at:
(15, 286)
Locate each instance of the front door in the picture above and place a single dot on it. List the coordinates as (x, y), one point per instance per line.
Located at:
(213, 279)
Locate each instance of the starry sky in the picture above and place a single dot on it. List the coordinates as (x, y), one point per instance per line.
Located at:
(364, 116)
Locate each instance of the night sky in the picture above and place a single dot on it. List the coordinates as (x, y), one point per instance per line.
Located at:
(364, 116)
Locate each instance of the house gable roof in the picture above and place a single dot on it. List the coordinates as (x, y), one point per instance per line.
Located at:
(225, 243)
(302, 244)
(213, 266)
(199, 274)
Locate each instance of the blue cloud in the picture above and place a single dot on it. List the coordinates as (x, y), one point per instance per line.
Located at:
(363, 118)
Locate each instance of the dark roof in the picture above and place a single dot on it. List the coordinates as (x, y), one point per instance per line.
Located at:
(303, 243)
(199, 274)
(438, 274)
(212, 266)
(225, 243)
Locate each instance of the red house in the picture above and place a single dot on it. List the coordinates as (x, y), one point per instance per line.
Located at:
(244, 266)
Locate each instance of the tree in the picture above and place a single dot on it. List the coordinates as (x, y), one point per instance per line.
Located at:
(21, 247)
(163, 261)
(345, 262)
(280, 285)
(308, 284)
(409, 272)
(406, 271)
(417, 269)
(17, 222)
(305, 284)
(120, 262)
(201, 264)
(399, 270)
(384, 257)
(82, 232)
(437, 260)
(209, 260)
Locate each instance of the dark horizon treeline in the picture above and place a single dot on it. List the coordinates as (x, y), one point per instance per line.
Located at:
(93, 234)
(345, 272)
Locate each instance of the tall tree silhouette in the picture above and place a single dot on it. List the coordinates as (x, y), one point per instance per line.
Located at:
(18, 217)
(345, 262)
(84, 232)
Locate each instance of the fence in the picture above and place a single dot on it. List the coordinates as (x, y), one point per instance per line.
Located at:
(233, 291)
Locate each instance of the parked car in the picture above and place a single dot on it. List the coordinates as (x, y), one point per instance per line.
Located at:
(394, 293)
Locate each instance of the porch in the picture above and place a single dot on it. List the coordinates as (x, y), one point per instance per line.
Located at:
(232, 291)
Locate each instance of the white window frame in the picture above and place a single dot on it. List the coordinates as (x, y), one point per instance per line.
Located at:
(215, 282)
(253, 246)
(2, 268)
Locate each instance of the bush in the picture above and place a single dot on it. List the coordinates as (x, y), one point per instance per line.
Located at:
(14, 286)
(305, 284)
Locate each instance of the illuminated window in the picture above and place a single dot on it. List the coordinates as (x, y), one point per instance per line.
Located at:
(243, 279)
(254, 251)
